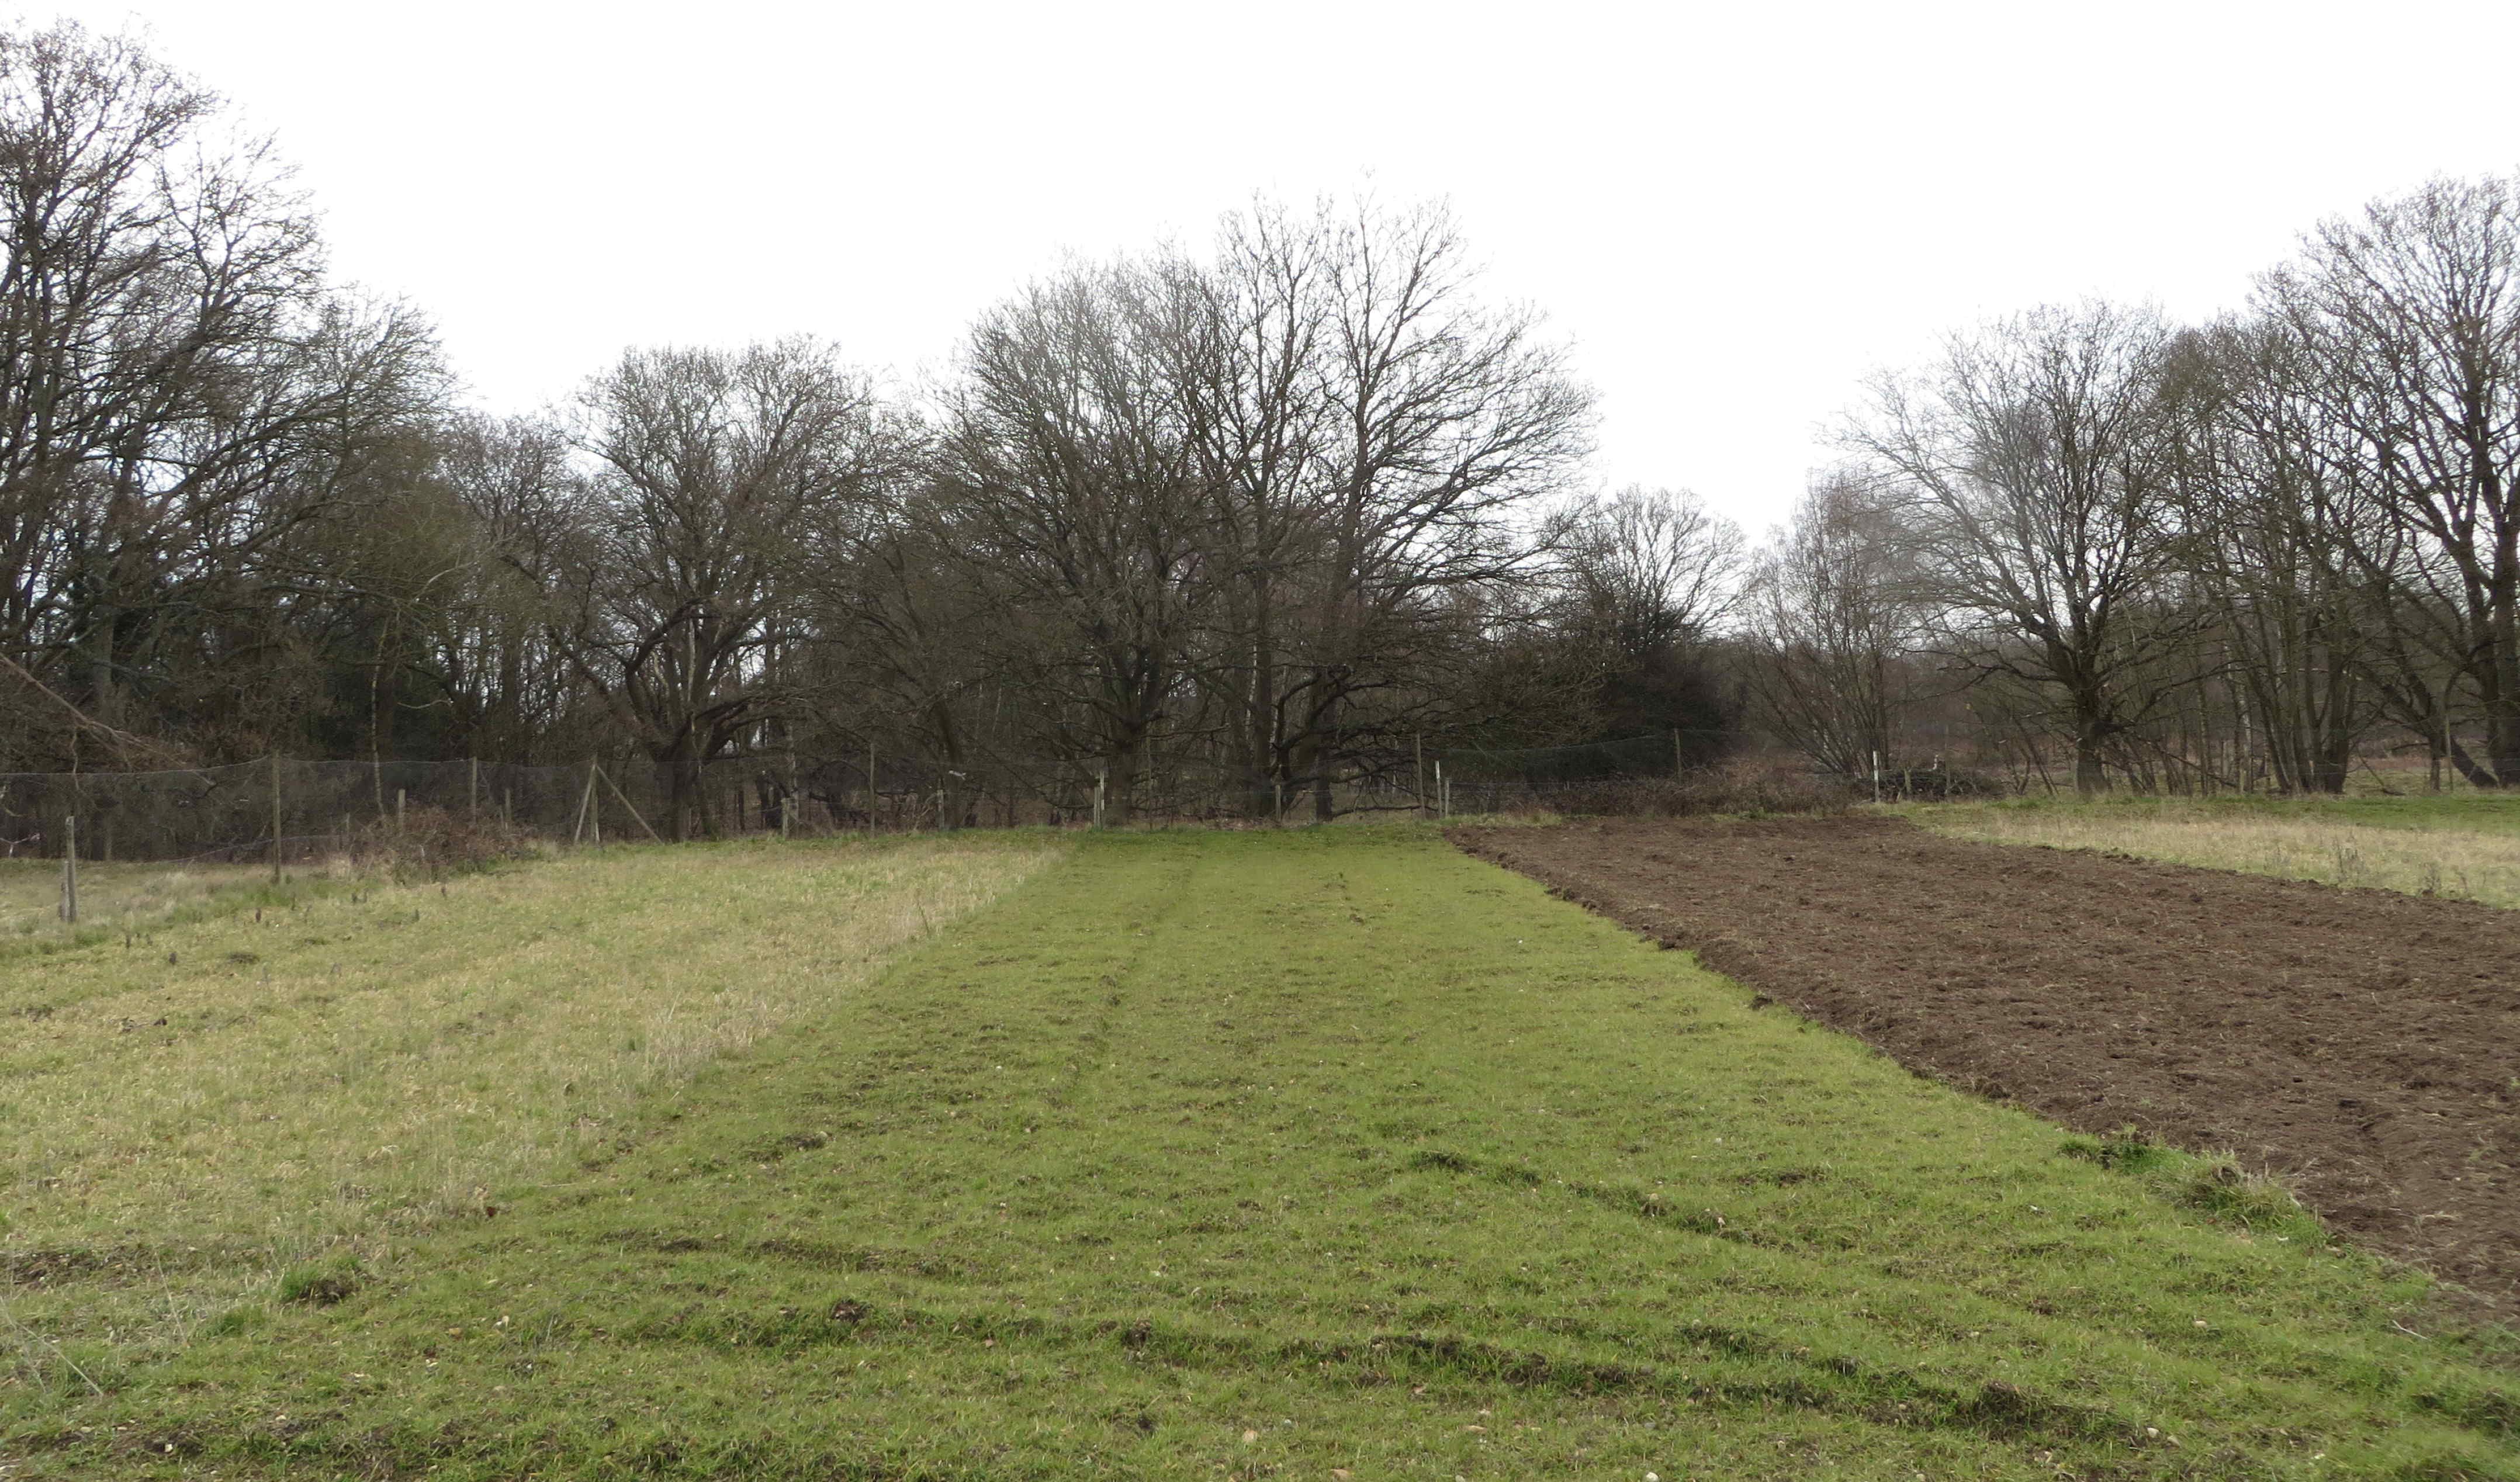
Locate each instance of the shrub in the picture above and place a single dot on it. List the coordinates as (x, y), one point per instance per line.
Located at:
(1739, 787)
(434, 841)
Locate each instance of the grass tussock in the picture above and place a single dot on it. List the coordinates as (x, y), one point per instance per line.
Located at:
(2216, 1184)
(197, 1113)
(1327, 1153)
(2464, 852)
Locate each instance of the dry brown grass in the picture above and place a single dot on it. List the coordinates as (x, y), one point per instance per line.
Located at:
(2474, 864)
(239, 1095)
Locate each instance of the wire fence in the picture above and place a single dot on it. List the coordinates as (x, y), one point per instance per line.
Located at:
(289, 810)
(276, 807)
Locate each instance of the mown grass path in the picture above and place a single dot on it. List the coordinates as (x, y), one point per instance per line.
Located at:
(1326, 1155)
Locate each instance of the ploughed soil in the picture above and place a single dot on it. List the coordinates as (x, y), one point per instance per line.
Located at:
(2361, 1043)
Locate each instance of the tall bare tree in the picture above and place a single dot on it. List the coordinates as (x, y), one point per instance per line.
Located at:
(1446, 418)
(709, 472)
(2410, 313)
(178, 391)
(2035, 466)
(2282, 521)
(1070, 489)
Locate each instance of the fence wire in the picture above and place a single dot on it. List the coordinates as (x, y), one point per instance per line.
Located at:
(297, 810)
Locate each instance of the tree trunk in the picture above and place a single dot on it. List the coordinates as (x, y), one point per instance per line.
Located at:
(2333, 760)
(1260, 726)
(2476, 776)
(678, 771)
(2090, 773)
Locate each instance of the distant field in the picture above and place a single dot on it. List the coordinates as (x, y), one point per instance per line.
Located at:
(2461, 846)
(1332, 1153)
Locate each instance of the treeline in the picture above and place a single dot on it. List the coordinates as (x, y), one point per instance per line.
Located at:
(1242, 531)
(2238, 553)
(1233, 531)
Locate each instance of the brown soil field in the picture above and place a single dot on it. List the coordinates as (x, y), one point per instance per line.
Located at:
(2361, 1044)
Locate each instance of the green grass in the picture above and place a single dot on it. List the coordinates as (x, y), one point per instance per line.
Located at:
(1313, 1154)
(125, 898)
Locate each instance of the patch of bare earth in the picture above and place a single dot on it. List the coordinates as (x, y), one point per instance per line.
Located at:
(2363, 1043)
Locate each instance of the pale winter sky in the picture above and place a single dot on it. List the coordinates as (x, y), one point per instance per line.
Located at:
(1735, 211)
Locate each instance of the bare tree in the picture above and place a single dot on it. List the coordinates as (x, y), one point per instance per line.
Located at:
(1831, 622)
(509, 536)
(709, 472)
(1644, 579)
(178, 394)
(2283, 521)
(2035, 466)
(1068, 488)
(2409, 314)
(1445, 418)
(1243, 343)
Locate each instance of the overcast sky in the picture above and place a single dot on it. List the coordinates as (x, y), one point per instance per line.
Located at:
(1734, 212)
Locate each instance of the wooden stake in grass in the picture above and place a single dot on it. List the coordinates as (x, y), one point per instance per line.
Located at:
(70, 867)
(400, 798)
(1419, 785)
(275, 818)
(473, 791)
(585, 803)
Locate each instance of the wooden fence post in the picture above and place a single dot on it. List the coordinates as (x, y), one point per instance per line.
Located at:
(473, 791)
(635, 814)
(1419, 786)
(275, 816)
(70, 869)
